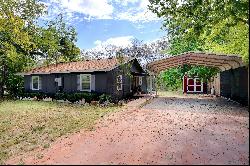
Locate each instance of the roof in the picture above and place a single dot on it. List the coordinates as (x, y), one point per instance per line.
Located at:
(221, 61)
(79, 66)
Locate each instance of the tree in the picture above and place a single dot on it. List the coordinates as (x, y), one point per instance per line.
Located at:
(22, 41)
(56, 42)
(235, 41)
(144, 52)
(16, 28)
(201, 18)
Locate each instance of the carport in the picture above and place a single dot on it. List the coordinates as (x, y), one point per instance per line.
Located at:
(231, 82)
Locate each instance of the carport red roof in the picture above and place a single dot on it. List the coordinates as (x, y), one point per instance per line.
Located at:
(80, 66)
(223, 62)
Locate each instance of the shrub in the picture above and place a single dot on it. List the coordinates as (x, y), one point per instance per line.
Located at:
(104, 97)
(60, 96)
(72, 97)
(14, 85)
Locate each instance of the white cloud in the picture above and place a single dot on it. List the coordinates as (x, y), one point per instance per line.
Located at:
(137, 12)
(88, 9)
(122, 41)
(126, 2)
(131, 10)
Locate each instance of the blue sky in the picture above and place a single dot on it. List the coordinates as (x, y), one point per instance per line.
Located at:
(102, 22)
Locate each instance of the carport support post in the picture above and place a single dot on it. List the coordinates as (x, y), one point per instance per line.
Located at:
(155, 84)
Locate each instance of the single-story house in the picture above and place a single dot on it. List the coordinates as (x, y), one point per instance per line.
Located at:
(106, 76)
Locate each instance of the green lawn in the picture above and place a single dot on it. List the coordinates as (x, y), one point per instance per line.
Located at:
(27, 125)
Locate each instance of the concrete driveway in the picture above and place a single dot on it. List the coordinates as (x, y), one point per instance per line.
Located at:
(165, 131)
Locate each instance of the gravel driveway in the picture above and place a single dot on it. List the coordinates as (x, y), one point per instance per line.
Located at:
(165, 131)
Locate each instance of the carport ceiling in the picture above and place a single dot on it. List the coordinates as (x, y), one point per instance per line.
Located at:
(223, 62)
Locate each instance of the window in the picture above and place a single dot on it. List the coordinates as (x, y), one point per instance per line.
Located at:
(85, 82)
(35, 83)
(119, 82)
(194, 85)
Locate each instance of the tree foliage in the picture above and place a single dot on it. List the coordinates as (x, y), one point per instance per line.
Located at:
(56, 42)
(222, 26)
(144, 52)
(172, 79)
(201, 25)
(23, 41)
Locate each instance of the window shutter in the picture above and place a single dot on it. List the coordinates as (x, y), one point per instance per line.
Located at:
(92, 82)
(78, 82)
(40, 83)
(30, 80)
(59, 81)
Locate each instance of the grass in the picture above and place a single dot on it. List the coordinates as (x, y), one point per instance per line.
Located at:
(27, 125)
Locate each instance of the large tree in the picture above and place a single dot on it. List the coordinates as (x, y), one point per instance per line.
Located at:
(221, 26)
(23, 41)
(16, 29)
(56, 42)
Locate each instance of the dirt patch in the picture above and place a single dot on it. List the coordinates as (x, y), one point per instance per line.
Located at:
(166, 131)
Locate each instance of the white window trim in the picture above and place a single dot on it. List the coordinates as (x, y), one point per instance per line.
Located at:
(119, 84)
(32, 78)
(194, 85)
(85, 90)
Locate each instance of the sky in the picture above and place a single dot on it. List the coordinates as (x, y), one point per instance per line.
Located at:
(103, 22)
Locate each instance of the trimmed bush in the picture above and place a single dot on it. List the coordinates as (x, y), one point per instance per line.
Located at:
(104, 97)
(72, 97)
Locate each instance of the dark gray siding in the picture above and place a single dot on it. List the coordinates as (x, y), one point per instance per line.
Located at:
(102, 82)
(69, 82)
(234, 84)
(127, 81)
(136, 67)
(27, 80)
(48, 85)
(225, 82)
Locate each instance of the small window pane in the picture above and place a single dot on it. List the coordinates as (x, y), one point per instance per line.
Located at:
(86, 85)
(198, 88)
(191, 88)
(119, 79)
(86, 78)
(198, 82)
(190, 82)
